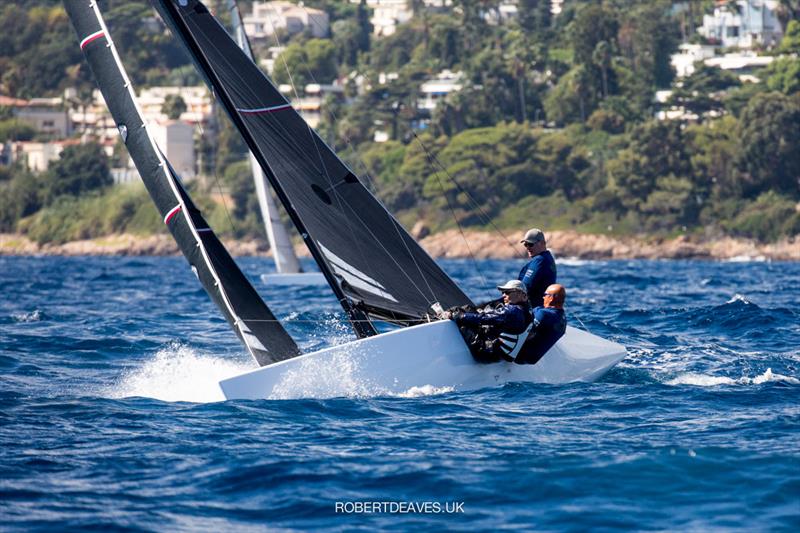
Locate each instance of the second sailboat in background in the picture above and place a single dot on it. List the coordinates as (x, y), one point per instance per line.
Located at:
(287, 265)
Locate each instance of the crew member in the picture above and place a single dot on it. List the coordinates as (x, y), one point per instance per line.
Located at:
(496, 334)
(540, 271)
(549, 325)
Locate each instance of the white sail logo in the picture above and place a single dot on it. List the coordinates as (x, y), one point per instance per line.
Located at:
(355, 277)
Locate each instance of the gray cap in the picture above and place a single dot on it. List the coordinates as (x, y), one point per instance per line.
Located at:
(533, 235)
(512, 285)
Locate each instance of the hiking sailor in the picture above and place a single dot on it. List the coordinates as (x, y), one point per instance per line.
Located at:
(496, 334)
(540, 271)
(549, 325)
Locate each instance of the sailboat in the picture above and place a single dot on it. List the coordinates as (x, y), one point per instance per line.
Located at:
(289, 271)
(373, 266)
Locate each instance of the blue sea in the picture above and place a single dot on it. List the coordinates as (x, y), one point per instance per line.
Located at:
(111, 417)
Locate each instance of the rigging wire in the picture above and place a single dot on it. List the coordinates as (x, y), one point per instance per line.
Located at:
(432, 298)
(216, 177)
(473, 202)
(458, 224)
(433, 161)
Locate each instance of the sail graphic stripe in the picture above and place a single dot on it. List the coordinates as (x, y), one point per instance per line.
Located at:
(260, 110)
(93, 37)
(172, 212)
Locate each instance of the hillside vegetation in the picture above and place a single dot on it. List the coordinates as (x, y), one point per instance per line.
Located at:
(554, 125)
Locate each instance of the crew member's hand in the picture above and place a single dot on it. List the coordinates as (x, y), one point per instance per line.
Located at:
(446, 315)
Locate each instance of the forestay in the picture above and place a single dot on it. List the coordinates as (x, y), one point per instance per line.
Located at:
(376, 263)
(227, 286)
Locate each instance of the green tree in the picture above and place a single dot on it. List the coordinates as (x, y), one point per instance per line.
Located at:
(14, 129)
(301, 64)
(790, 44)
(784, 75)
(80, 169)
(712, 149)
(173, 106)
(656, 151)
(701, 92)
(769, 136)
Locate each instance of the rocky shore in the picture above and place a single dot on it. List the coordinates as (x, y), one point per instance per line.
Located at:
(450, 244)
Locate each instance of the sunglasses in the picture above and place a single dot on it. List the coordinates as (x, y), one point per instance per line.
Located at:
(549, 294)
(530, 244)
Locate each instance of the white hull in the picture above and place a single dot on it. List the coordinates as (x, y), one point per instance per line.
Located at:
(308, 279)
(420, 357)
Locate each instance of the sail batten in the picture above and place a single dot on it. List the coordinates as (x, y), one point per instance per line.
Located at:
(225, 283)
(322, 194)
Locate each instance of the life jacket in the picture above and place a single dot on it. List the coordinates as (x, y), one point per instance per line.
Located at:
(510, 344)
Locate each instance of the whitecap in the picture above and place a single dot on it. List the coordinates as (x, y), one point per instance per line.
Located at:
(574, 261)
(425, 390)
(703, 380)
(747, 259)
(738, 298)
(178, 374)
(34, 316)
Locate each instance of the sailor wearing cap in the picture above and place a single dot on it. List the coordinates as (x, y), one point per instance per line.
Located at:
(498, 333)
(540, 271)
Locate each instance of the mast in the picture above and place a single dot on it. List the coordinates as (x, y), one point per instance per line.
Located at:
(359, 320)
(245, 311)
(282, 251)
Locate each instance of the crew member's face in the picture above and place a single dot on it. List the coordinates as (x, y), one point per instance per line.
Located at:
(548, 298)
(513, 297)
(534, 248)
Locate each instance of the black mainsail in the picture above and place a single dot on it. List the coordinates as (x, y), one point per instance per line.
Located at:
(372, 264)
(227, 286)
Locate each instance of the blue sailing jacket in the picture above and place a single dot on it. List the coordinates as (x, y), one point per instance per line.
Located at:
(549, 325)
(537, 275)
(511, 318)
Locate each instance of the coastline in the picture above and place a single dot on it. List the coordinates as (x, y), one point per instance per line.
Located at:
(448, 244)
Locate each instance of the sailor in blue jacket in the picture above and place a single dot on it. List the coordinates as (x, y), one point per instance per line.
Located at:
(494, 333)
(549, 325)
(540, 271)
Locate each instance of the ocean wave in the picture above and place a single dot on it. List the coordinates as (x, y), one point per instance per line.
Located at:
(33, 316)
(426, 390)
(177, 373)
(746, 259)
(706, 380)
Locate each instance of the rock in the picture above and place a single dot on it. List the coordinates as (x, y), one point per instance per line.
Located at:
(451, 244)
(420, 230)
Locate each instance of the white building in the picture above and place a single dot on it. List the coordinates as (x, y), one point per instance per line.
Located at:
(37, 156)
(48, 116)
(388, 14)
(176, 141)
(435, 90)
(690, 54)
(310, 105)
(199, 105)
(753, 23)
(268, 62)
(743, 64)
(269, 17)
